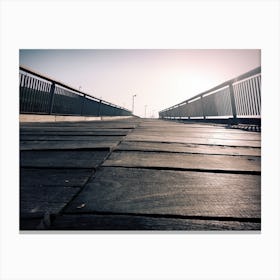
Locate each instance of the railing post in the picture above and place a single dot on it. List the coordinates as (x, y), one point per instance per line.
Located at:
(82, 105)
(51, 98)
(202, 107)
(99, 108)
(232, 100)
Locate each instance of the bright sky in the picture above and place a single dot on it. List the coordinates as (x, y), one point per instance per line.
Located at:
(159, 78)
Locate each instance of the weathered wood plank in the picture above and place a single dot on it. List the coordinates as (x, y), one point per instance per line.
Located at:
(39, 208)
(69, 138)
(104, 132)
(189, 128)
(128, 222)
(72, 129)
(54, 177)
(68, 145)
(187, 148)
(203, 135)
(142, 191)
(62, 159)
(30, 224)
(44, 194)
(120, 124)
(177, 139)
(211, 128)
(184, 161)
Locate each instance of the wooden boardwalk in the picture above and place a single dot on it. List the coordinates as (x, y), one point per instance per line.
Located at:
(139, 174)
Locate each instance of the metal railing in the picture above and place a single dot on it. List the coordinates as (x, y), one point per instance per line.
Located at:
(237, 98)
(40, 94)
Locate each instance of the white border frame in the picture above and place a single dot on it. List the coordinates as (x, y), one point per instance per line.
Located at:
(143, 24)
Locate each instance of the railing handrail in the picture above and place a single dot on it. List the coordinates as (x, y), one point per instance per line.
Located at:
(42, 76)
(248, 74)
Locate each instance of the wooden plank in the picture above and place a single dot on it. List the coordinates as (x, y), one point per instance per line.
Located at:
(128, 222)
(30, 224)
(72, 129)
(69, 138)
(68, 145)
(54, 177)
(184, 161)
(187, 148)
(115, 132)
(62, 159)
(187, 140)
(46, 194)
(164, 123)
(47, 191)
(203, 135)
(40, 208)
(164, 192)
(200, 129)
(211, 128)
(128, 124)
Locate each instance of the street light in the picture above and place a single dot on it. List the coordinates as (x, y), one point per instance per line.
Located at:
(133, 96)
(145, 110)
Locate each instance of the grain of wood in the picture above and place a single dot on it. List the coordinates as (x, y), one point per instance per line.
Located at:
(187, 148)
(131, 190)
(127, 222)
(184, 161)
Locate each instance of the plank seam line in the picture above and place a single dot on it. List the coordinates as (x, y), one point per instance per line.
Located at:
(66, 140)
(102, 149)
(197, 144)
(83, 135)
(174, 152)
(57, 167)
(168, 216)
(92, 176)
(235, 139)
(189, 169)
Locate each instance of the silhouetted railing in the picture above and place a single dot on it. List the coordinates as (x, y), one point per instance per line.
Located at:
(237, 98)
(42, 95)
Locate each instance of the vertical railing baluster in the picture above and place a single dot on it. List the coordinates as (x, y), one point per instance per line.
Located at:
(233, 107)
(202, 107)
(45, 97)
(258, 96)
(255, 95)
(246, 98)
(237, 99)
(25, 93)
(259, 92)
(242, 99)
(32, 94)
(250, 94)
(51, 98)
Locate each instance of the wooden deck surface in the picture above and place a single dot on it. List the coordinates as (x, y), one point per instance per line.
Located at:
(139, 174)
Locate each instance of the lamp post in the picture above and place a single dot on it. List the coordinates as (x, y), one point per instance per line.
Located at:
(145, 110)
(133, 96)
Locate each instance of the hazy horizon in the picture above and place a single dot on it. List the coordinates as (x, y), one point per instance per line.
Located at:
(159, 77)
